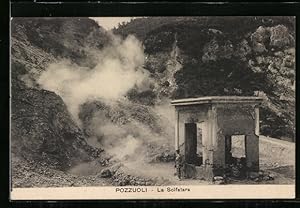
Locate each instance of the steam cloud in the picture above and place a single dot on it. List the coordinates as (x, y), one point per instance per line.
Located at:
(118, 69)
(126, 142)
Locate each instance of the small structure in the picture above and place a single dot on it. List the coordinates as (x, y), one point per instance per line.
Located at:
(204, 132)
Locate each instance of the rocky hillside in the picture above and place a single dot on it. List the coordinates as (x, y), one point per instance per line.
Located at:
(42, 128)
(225, 56)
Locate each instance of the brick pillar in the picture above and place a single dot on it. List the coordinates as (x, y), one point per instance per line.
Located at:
(252, 152)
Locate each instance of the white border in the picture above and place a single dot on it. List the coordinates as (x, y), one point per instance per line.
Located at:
(155, 192)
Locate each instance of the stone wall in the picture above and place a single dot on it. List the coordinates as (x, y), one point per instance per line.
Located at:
(218, 120)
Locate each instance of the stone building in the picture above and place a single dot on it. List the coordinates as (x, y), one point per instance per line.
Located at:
(205, 128)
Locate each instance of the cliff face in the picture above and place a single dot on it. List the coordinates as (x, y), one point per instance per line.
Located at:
(225, 56)
(36, 42)
(42, 128)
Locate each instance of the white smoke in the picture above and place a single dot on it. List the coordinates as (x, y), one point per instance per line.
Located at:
(118, 70)
(124, 142)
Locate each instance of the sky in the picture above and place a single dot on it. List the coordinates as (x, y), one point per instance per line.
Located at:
(111, 22)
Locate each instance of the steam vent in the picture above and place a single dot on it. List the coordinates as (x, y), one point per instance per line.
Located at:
(204, 131)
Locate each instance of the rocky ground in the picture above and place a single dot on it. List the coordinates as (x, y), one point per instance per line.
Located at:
(29, 174)
(275, 169)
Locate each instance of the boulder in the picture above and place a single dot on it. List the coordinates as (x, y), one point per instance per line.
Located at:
(253, 175)
(219, 180)
(272, 176)
(105, 173)
(279, 36)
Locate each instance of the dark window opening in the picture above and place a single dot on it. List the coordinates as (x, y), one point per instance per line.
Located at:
(235, 149)
(235, 155)
(193, 143)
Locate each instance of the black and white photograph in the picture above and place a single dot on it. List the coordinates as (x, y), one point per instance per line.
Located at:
(152, 104)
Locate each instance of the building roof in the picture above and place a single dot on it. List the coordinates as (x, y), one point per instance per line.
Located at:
(217, 99)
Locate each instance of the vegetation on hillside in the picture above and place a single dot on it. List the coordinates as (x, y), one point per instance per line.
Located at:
(227, 56)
